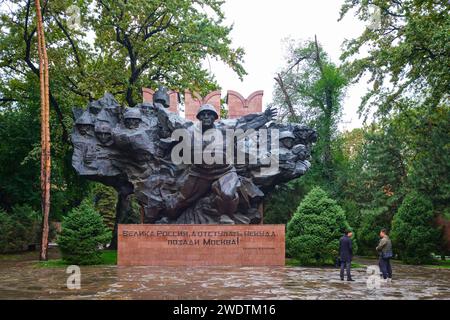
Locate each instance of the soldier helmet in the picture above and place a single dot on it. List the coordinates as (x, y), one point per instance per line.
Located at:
(161, 96)
(108, 101)
(103, 127)
(132, 113)
(95, 107)
(286, 135)
(85, 118)
(207, 107)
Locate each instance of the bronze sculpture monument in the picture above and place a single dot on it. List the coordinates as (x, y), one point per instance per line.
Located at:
(209, 172)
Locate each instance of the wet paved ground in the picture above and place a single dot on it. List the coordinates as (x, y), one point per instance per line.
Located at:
(23, 280)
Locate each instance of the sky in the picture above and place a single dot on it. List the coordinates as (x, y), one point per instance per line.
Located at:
(259, 28)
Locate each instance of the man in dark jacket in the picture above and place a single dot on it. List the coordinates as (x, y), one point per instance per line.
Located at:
(346, 254)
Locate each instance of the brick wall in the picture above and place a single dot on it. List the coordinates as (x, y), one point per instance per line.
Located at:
(193, 101)
(238, 106)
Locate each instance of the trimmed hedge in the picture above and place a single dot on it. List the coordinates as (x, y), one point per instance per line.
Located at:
(414, 235)
(315, 229)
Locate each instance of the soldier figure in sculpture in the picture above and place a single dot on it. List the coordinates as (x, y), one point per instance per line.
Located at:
(132, 150)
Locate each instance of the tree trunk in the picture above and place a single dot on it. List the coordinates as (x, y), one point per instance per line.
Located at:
(142, 213)
(328, 115)
(45, 131)
(327, 156)
(123, 210)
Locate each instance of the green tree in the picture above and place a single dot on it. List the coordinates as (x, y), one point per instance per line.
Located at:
(413, 234)
(161, 42)
(407, 64)
(136, 43)
(19, 229)
(370, 224)
(105, 203)
(385, 170)
(427, 136)
(11, 234)
(19, 163)
(315, 229)
(348, 166)
(409, 51)
(403, 152)
(82, 236)
(19, 182)
(281, 204)
(310, 91)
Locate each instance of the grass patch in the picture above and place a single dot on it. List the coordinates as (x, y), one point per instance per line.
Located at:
(109, 257)
(10, 256)
(25, 255)
(440, 264)
(53, 263)
(292, 262)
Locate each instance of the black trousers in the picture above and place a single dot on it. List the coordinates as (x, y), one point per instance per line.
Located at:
(385, 268)
(346, 265)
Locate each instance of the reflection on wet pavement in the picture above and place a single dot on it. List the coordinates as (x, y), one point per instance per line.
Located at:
(23, 280)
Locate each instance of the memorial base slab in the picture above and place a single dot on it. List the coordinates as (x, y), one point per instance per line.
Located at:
(201, 245)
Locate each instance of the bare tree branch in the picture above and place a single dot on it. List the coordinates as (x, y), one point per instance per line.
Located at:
(287, 98)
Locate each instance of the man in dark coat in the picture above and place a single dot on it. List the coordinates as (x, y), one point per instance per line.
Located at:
(346, 254)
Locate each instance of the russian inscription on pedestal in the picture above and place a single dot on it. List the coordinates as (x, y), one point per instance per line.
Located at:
(201, 245)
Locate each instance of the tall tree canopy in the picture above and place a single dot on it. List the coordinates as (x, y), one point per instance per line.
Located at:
(161, 42)
(408, 51)
(118, 46)
(405, 51)
(309, 90)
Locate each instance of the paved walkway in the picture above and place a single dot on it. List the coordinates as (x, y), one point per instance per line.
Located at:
(23, 280)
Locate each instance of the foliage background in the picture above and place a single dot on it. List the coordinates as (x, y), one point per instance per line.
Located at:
(368, 171)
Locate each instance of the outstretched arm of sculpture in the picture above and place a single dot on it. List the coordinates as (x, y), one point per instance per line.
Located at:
(256, 120)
